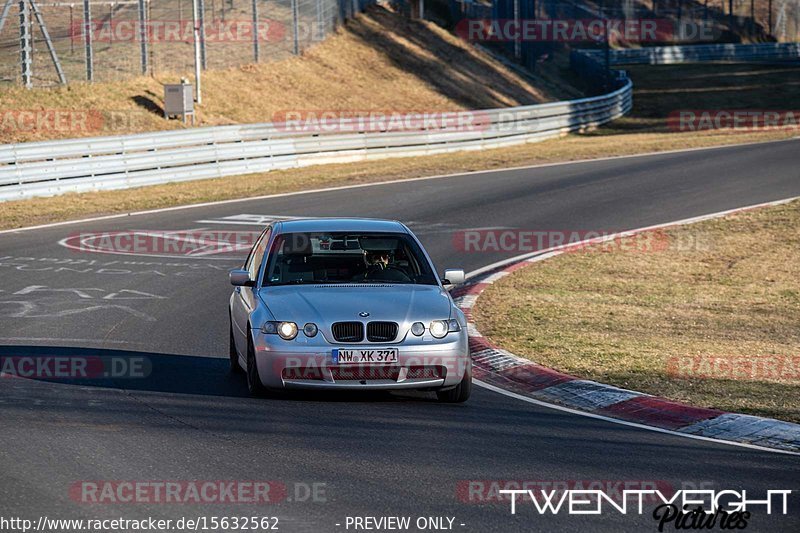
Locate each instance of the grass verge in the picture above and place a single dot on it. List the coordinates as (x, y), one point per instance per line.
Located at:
(711, 319)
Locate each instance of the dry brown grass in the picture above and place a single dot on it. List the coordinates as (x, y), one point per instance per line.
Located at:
(669, 322)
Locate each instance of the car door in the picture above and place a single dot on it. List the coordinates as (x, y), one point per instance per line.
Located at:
(244, 298)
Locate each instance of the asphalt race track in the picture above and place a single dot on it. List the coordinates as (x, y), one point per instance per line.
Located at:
(376, 454)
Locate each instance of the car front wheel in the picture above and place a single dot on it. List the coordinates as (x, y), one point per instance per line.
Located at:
(254, 384)
(459, 394)
(234, 355)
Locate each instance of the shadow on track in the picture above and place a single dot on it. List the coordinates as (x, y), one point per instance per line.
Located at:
(155, 372)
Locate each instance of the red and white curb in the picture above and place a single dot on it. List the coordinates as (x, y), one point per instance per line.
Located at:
(509, 372)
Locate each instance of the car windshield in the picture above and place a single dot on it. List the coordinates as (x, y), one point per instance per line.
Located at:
(336, 257)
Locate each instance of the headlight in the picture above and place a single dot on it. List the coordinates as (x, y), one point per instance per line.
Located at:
(285, 330)
(310, 329)
(440, 328)
(418, 328)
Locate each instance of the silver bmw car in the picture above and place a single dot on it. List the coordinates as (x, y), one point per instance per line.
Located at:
(347, 304)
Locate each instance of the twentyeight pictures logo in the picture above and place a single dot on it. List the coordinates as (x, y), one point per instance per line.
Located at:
(683, 509)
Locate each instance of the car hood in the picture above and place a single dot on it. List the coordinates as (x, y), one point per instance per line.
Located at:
(326, 304)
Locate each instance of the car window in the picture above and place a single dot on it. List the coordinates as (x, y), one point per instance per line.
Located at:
(337, 257)
(257, 254)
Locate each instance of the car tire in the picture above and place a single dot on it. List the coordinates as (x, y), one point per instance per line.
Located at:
(459, 394)
(254, 385)
(233, 355)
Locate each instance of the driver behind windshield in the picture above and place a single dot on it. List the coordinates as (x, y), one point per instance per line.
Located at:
(380, 269)
(376, 259)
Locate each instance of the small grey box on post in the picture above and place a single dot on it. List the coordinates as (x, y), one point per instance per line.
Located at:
(179, 100)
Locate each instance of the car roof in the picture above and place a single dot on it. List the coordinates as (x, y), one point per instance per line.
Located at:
(313, 225)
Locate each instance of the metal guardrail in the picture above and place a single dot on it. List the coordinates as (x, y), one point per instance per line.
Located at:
(104, 163)
(662, 55)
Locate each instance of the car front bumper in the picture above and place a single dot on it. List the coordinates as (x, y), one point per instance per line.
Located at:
(436, 365)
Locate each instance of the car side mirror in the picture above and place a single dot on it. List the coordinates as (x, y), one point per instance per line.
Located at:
(454, 276)
(240, 278)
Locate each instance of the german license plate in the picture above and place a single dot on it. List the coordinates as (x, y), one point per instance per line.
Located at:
(380, 356)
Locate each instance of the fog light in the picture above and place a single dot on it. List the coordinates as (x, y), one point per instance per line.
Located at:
(310, 329)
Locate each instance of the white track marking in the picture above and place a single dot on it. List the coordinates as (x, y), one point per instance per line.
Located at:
(625, 422)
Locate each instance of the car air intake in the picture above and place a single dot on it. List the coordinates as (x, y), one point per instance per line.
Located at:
(348, 331)
(381, 331)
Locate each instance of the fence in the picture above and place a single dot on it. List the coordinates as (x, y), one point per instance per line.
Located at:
(104, 163)
(105, 40)
(678, 22)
